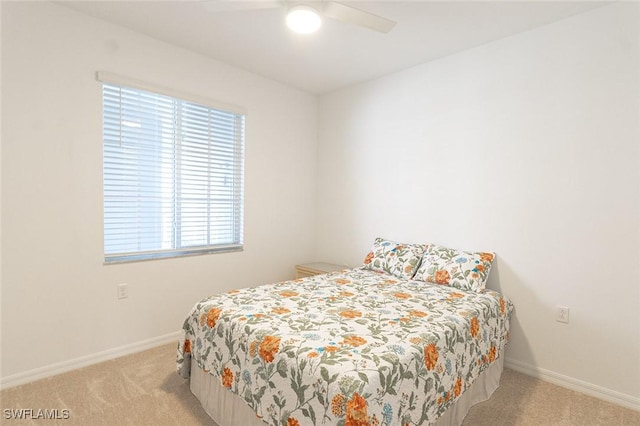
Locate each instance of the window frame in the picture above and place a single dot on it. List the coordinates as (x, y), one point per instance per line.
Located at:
(136, 256)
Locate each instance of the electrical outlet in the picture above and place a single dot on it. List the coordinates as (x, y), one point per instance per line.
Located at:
(562, 314)
(123, 291)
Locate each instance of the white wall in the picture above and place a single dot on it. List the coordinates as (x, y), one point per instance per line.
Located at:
(58, 299)
(527, 146)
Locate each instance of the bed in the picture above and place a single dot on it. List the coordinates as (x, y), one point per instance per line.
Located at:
(364, 346)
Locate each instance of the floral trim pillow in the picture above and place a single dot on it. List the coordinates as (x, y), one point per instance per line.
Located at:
(400, 260)
(456, 268)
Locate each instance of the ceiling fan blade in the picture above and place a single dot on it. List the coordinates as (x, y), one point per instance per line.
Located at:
(236, 5)
(351, 15)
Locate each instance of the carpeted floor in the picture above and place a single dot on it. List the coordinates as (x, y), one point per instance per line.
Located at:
(143, 389)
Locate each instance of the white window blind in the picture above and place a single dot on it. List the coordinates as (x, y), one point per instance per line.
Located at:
(173, 176)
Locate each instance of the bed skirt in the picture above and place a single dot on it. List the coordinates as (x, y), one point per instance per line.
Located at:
(227, 409)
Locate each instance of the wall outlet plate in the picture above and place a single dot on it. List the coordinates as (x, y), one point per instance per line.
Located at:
(123, 291)
(562, 314)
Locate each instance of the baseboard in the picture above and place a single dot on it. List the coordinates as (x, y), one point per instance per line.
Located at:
(74, 364)
(599, 392)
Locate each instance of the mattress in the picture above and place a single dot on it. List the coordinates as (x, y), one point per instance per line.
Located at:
(355, 347)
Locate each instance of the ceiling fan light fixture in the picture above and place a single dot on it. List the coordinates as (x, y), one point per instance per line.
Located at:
(303, 19)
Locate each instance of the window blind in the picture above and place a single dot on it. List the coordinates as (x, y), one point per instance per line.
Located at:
(173, 176)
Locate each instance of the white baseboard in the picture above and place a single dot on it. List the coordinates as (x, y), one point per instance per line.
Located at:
(73, 364)
(599, 392)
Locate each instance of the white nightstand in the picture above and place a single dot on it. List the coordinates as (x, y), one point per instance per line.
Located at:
(310, 269)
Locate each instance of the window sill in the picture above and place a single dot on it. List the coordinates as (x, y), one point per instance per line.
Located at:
(143, 257)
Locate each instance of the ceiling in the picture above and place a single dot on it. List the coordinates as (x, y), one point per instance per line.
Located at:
(339, 54)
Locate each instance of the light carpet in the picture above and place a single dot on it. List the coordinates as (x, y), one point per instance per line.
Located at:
(144, 389)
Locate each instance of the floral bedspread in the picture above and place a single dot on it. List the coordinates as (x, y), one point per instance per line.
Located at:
(351, 348)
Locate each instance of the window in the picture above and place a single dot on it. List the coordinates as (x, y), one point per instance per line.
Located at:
(173, 174)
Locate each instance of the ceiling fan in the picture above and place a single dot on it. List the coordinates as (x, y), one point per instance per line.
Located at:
(306, 16)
